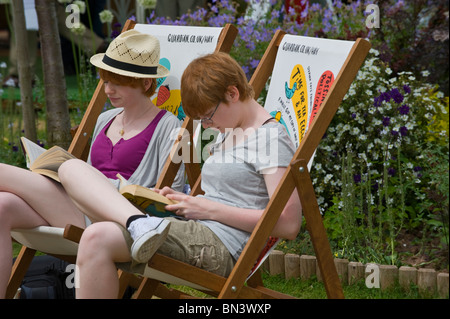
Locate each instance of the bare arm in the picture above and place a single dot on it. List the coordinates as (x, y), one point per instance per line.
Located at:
(287, 226)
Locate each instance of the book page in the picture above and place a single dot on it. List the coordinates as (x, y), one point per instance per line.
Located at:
(32, 150)
(51, 159)
(148, 200)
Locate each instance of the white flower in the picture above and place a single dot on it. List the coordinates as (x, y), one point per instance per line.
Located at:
(106, 16)
(363, 156)
(328, 177)
(148, 3)
(3, 65)
(425, 73)
(409, 125)
(78, 29)
(81, 5)
(374, 52)
(388, 71)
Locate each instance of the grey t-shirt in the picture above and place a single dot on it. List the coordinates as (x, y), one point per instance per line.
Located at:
(233, 175)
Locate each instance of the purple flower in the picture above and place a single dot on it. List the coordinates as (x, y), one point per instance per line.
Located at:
(397, 96)
(417, 169)
(254, 63)
(353, 116)
(404, 109)
(385, 96)
(357, 178)
(391, 171)
(386, 121)
(403, 130)
(394, 133)
(406, 89)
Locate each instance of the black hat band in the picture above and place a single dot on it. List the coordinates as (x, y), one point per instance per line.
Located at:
(151, 70)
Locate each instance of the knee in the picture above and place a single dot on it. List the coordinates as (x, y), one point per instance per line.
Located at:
(90, 243)
(68, 169)
(95, 244)
(7, 202)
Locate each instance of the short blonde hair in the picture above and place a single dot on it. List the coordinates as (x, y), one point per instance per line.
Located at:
(206, 81)
(118, 79)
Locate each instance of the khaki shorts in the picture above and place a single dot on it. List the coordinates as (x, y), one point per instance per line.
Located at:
(190, 242)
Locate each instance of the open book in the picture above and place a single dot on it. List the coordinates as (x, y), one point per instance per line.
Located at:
(42, 161)
(147, 199)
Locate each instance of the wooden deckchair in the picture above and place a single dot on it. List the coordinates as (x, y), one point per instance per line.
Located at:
(63, 242)
(164, 269)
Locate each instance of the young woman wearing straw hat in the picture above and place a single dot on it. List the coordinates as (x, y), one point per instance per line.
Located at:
(132, 139)
(238, 179)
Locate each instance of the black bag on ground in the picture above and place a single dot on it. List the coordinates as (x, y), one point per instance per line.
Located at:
(46, 279)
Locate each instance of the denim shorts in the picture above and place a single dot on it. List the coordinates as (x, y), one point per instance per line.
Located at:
(190, 242)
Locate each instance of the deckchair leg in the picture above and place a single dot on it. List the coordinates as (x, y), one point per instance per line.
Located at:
(316, 229)
(147, 289)
(19, 270)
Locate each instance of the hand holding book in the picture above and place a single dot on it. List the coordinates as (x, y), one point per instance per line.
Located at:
(150, 201)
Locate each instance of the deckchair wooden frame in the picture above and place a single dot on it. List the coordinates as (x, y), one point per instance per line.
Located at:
(295, 177)
(80, 147)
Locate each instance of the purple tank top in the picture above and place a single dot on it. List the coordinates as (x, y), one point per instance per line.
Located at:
(125, 156)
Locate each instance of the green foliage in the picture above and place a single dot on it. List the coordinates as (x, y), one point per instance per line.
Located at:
(373, 169)
(313, 289)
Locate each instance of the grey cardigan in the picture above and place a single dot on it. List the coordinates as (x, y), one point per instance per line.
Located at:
(157, 152)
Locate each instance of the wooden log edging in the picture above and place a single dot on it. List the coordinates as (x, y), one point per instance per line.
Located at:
(304, 267)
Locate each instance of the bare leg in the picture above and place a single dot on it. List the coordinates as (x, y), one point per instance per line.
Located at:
(14, 213)
(45, 196)
(101, 245)
(29, 200)
(94, 194)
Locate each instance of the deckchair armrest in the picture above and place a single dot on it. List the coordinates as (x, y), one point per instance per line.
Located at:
(73, 233)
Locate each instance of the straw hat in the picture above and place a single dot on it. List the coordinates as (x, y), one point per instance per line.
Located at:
(133, 54)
